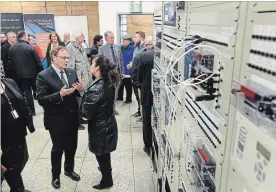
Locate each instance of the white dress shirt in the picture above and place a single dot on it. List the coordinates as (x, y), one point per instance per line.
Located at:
(59, 74)
(2, 88)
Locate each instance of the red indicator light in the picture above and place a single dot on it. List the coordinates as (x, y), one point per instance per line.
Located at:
(203, 155)
(250, 94)
(198, 56)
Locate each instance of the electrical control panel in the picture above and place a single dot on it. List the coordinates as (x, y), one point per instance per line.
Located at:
(253, 90)
(214, 88)
(253, 158)
(175, 15)
(221, 32)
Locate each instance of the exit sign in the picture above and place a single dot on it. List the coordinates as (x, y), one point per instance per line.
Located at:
(136, 6)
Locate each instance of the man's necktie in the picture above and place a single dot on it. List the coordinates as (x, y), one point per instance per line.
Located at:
(63, 79)
(113, 55)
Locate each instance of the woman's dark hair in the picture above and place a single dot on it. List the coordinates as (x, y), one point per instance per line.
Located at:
(55, 33)
(96, 39)
(108, 69)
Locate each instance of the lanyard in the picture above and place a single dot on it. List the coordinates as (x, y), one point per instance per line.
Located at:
(9, 101)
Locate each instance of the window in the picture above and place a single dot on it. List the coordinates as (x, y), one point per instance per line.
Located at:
(123, 25)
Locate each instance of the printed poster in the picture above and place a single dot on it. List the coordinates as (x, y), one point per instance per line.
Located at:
(11, 22)
(40, 26)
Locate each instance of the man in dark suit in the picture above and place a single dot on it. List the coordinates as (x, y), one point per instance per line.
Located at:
(144, 79)
(5, 57)
(57, 90)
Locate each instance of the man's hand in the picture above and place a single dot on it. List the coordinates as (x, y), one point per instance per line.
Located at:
(129, 66)
(63, 92)
(78, 86)
(122, 76)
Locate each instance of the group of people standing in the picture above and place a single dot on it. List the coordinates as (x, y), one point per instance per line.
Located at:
(72, 91)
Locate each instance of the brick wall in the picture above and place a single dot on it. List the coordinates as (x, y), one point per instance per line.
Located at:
(58, 8)
(139, 23)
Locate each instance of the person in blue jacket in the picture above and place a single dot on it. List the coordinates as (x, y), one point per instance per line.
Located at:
(127, 51)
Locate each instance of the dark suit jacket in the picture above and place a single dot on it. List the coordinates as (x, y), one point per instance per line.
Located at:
(144, 77)
(105, 50)
(60, 114)
(134, 69)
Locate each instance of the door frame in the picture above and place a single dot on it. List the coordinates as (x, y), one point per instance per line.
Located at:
(118, 18)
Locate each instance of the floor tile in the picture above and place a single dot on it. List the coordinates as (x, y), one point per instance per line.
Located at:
(131, 166)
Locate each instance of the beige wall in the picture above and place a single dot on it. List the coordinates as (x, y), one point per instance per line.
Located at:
(58, 8)
(139, 23)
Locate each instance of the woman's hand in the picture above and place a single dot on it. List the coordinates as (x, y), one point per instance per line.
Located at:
(78, 86)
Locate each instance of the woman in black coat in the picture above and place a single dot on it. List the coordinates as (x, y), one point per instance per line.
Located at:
(15, 117)
(54, 42)
(97, 107)
(97, 42)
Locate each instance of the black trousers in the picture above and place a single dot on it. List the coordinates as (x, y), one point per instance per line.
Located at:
(104, 161)
(63, 142)
(147, 129)
(79, 113)
(126, 83)
(136, 93)
(14, 160)
(29, 84)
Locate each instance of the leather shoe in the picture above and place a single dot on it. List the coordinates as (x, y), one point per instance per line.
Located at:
(56, 183)
(74, 176)
(116, 112)
(137, 114)
(104, 186)
(147, 150)
(127, 102)
(81, 127)
(82, 121)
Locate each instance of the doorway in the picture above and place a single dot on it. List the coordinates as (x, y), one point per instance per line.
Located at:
(129, 23)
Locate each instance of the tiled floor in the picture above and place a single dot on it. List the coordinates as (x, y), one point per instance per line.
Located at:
(132, 171)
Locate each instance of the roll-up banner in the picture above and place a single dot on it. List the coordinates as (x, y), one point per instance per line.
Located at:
(40, 26)
(11, 22)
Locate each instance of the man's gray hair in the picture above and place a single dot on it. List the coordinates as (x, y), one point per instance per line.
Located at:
(10, 34)
(148, 39)
(107, 33)
(75, 33)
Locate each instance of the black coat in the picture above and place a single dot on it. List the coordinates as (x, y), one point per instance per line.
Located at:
(97, 107)
(60, 114)
(144, 77)
(24, 60)
(5, 58)
(94, 52)
(16, 130)
(134, 70)
(5, 53)
(48, 52)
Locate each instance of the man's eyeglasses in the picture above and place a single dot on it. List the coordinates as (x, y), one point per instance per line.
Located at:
(64, 58)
